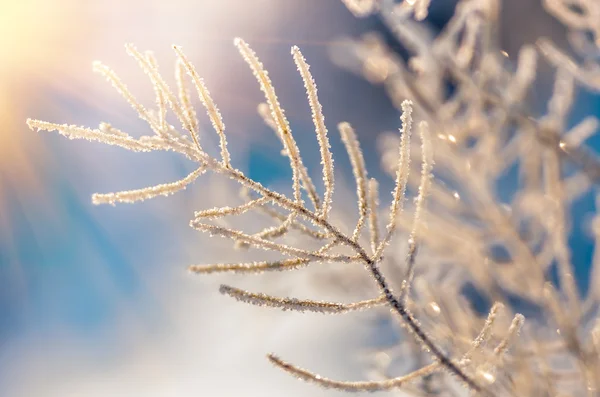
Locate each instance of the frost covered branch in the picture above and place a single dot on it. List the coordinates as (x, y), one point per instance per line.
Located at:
(456, 244)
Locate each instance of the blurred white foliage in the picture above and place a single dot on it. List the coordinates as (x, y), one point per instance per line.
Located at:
(476, 102)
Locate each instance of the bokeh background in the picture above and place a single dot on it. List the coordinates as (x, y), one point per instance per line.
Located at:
(96, 301)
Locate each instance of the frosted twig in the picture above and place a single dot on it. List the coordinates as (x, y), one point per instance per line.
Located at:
(485, 332)
(209, 105)
(219, 212)
(360, 174)
(132, 196)
(351, 386)
(283, 127)
(280, 216)
(321, 130)
(373, 200)
(161, 85)
(513, 332)
(327, 247)
(252, 267)
(160, 98)
(427, 155)
(301, 305)
(387, 384)
(401, 176)
(277, 231)
(268, 245)
(184, 95)
(122, 89)
(76, 132)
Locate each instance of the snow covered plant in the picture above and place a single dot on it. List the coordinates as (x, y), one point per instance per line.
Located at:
(291, 213)
(485, 246)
